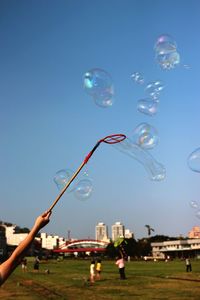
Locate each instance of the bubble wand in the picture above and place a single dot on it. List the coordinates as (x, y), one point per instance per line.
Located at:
(110, 139)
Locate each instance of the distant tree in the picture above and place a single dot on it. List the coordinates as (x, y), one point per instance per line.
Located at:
(144, 247)
(149, 229)
(21, 230)
(111, 250)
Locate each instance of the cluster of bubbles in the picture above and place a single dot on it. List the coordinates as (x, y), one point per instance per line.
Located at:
(150, 103)
(166, 53)
(82, 188)
(195, 206)
(98, 84)
(145, 136)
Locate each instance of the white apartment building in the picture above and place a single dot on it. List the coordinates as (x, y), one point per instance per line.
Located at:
(177, 248)
(51, 242)
(12, 238)
(118, 230)
(101, 232)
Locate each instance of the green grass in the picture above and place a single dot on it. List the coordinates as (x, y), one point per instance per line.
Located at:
(68, 280)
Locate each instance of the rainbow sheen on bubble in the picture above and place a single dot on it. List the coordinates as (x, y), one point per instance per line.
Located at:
(148, 106)
(98, 84)
(145, 136)
(193, 160)
(165, 44)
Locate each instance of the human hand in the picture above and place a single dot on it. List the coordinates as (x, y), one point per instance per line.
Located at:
(43, 220)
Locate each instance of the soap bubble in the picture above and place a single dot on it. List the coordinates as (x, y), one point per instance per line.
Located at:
(166, 53)
(137, 78)
(168, 61)
(148, 106)
(154, 88)
(145, 136)
(198, 214)
(98, 84)
(104, 99)
(83, 189)
(194, 160)
(155, 169)
(62, 177)
(194, 204)
(165, 44)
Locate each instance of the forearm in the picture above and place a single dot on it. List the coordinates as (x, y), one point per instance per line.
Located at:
(12, 262)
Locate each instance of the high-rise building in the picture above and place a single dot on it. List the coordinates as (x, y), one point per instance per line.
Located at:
(128, 234)
(101, 232)
(118, 230)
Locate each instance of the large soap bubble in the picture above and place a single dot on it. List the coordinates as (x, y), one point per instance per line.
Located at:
(62, 177)
(148, 106)
(194, 160)
(83, 189)
(145, 136)
(98, 84)
(155, 169)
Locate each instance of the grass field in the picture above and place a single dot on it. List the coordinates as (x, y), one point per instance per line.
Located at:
(68, 280)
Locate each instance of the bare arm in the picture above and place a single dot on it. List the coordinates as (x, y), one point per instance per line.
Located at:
(7, 267)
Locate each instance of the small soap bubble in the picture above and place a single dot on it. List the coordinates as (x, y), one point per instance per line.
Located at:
(137, 78)
(148, 106)
(194, 204)
(145, 136)
(154, 88)
(83, 189)
(194, 160)
(198, 214)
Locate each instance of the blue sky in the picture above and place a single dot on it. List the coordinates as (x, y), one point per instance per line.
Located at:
(48, 122)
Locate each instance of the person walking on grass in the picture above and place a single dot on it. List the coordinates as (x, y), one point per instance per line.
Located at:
(121, 266)
(98, 269)
(188, 265)
(92, 271)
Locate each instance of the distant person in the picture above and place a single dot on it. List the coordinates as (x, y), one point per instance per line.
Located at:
(188, 265)
(92, 271)
(8, 266)
(24, 264)
(98, 269)
(36, 264)
(121, 266)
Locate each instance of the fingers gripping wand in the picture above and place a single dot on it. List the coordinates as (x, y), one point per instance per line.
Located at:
(110, 139)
